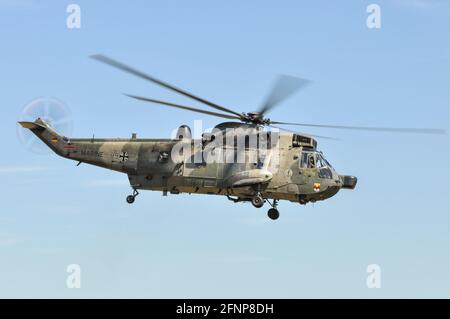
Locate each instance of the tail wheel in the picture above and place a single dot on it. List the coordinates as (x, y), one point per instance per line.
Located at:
(130, 199)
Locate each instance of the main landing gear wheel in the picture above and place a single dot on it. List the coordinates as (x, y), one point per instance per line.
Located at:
(273, 213)
(131, 198)
(258, 201)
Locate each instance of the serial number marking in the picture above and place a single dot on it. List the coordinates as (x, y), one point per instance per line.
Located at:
(245, 308)
(228, 308)
(89, 152)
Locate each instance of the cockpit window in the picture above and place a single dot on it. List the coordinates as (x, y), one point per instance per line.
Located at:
(308, 160)
(320, 161)
(316, 160)
(313, 160)
(326, 162)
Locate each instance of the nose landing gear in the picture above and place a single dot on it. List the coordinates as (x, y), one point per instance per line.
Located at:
(131, 198)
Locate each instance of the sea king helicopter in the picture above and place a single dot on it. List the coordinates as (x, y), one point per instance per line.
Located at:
(239, 159)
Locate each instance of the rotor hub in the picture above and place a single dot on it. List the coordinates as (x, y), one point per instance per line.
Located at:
(256, 118)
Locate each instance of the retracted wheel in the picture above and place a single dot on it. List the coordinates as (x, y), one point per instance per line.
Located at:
(258, 201)
(273, 213)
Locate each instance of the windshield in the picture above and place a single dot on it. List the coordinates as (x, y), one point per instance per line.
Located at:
(325, 160)
(315, 160)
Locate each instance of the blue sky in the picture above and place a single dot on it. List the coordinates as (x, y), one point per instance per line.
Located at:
(55, 214)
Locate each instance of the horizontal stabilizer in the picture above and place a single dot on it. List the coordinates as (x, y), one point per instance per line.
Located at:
(32, 125)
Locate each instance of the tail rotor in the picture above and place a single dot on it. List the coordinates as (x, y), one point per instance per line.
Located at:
(54, 112)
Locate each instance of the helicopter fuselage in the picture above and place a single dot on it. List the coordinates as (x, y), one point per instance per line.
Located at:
(291, 169)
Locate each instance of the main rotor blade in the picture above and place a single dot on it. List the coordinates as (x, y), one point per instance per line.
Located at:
(317, 136)
(284, 87)
(365, 128)
(183, 107)
(128, 69)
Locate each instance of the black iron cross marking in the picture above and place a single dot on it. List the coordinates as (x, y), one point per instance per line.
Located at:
(123, 156)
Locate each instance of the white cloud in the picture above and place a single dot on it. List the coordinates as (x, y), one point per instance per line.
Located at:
(20, 169)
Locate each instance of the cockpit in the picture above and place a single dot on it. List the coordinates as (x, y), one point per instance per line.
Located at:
(316, 160)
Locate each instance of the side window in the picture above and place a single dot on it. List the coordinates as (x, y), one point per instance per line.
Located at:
(304, 160)
(311, 160)
(320, 162)
(308, 160)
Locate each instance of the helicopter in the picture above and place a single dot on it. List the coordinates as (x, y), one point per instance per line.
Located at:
(240, 159)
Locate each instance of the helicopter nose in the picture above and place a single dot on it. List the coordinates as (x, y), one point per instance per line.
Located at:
(348, 181)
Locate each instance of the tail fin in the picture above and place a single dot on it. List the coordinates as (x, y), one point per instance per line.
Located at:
(47, 134)
(32, 125)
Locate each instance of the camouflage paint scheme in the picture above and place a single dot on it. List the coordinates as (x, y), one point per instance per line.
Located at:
(147, 166)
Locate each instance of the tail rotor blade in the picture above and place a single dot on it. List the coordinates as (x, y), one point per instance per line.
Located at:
(55, 112)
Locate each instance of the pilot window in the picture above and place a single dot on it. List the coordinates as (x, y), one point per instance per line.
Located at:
(320, 162)
(308, 160)
(316, 160)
